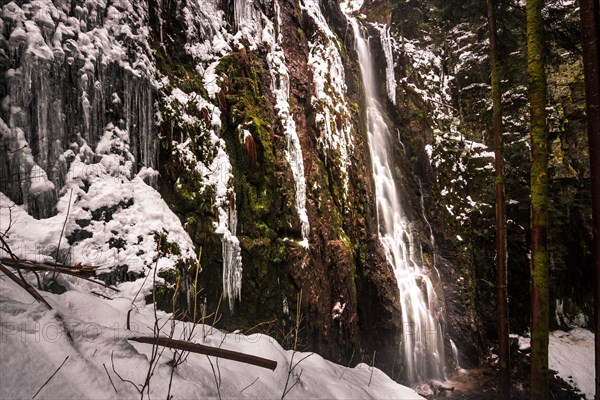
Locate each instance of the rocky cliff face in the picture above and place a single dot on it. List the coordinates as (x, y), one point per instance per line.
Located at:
(248, 117)
(291, 91)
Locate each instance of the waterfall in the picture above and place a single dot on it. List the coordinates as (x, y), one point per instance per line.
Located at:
(422, 343)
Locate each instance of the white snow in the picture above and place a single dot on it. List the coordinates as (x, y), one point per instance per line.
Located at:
(333, 118)
(92, 332)
(571, 355)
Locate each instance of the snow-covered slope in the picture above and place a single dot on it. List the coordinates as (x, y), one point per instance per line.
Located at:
(92, 332)
(571, 355)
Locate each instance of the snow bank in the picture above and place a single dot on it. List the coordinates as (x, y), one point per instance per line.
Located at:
(91, 332)
(571, 355)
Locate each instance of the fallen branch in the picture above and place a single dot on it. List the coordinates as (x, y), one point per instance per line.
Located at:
(51, 376)
(28, 288)
(209, 351)
(101, 295)
(6, 248)
(81, 272)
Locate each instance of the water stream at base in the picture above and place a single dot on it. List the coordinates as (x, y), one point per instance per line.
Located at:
(422, 344)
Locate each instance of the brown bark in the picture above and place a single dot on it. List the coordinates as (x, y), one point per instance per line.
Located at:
(501, 254)
(590, 32)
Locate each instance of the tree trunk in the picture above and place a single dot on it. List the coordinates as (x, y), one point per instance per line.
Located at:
(501, 254)
(539, 202)
(590, 32)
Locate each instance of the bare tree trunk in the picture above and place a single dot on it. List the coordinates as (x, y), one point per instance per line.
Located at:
(501, 254)
(539, 202)
(590, 32)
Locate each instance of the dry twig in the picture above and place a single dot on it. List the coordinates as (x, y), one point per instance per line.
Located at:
(51, 376)
(23, 283)
(109, 378)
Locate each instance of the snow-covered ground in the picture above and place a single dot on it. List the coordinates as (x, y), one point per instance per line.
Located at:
(571, 355)
(34, 341)
(113, 205)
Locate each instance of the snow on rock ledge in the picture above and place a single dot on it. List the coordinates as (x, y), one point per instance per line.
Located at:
(333, 117)
(281, 88)
(111, 217)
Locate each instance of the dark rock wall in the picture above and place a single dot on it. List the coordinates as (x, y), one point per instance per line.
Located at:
(344, 262)
(68, 101)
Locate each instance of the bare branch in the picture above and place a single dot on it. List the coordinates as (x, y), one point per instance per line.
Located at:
(253, 382)
(112, 361)
(63, 229)
(23, 283)
(372, 367)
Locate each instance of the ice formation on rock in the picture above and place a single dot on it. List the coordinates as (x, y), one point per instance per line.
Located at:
(280, 82)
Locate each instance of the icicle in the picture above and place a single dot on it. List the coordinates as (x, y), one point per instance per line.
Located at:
(332, 113)
(387, 43)
(232, 257)
(280, 84)
(242, 12)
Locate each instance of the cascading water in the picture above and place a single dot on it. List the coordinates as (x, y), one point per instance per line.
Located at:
(422, 340)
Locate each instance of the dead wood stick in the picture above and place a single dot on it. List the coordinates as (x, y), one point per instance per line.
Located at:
(101, 295)
(24, 285)
(83, 269)
(209, 351)
(51, 376)
(34, 266)
(6, 248)
(110, 379)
